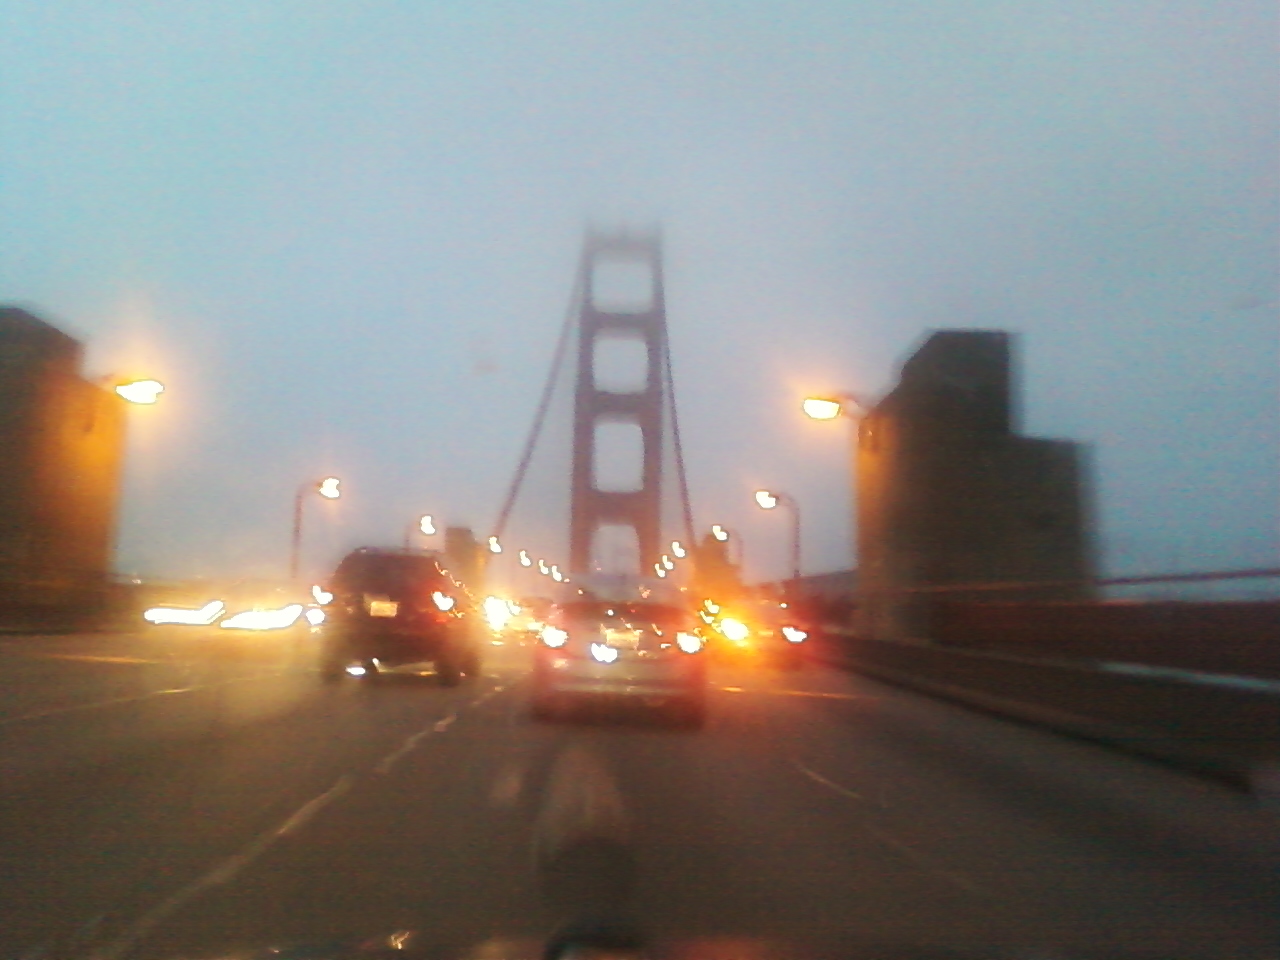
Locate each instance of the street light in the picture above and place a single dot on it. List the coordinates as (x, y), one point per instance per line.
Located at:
(424, 525)
(829, 408)
(494, 545)
(768, 500)
(525, 559)
(678, 549)
(328, 488)
(140, 391)
(719, 532)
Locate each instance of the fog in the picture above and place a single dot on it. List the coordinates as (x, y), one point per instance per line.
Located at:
(345, 234)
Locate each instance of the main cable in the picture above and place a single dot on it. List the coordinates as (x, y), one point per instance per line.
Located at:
(544, 404)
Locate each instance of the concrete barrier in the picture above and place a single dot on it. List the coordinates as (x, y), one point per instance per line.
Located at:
(1240, 637)
(1225, 731)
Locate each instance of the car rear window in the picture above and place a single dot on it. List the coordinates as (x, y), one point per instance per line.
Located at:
(638, 615)
(387, 574)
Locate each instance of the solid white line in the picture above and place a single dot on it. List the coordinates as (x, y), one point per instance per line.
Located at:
(220, 874)
(906, 852)
(819, 778)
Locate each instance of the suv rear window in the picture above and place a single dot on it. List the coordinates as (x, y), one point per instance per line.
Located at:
(385, 573)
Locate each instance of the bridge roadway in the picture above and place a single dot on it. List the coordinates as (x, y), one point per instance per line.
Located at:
(170, 794)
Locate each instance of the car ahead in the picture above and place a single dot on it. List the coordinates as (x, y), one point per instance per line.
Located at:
(620, 645)
(764, 632)
(394, 607)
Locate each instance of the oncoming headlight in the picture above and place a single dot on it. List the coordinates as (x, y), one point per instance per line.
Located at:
(734, 630)
(554, 636)
(689, 642)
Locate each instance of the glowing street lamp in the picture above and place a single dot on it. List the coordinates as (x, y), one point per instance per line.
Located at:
(425, 525)
(140, 391)
(768, 500)
(525, 559)
(719, 532)
(543, 568)
(829, 408)
(678, 550)
(327, 488)
(667, 562)
(494, 545)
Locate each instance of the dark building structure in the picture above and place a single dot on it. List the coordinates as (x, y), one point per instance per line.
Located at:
(61, 444)
(948, 492)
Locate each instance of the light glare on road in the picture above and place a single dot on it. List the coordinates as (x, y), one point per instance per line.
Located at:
(279, 619)
(201, 617)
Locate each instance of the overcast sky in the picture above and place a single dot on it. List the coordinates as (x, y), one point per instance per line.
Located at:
(345, 234)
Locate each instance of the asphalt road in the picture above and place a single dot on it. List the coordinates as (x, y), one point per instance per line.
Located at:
(166, 795)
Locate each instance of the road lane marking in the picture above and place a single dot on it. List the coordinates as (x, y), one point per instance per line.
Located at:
(390, 760)
(90, 658)
(819, 778)
(100, 704)
(220, 874)
(925, 865)
(907, 852)
(816, 694)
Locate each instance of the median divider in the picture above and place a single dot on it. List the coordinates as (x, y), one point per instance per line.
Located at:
(1232, 732)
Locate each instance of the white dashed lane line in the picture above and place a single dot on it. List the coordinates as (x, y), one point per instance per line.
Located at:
(224, 872)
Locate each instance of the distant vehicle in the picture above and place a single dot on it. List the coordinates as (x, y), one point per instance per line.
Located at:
(395, 607)
(528, 623)
(618, 643)
(766, 632)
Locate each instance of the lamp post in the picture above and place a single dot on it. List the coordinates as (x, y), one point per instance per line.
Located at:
(769, 500)
(327, 488)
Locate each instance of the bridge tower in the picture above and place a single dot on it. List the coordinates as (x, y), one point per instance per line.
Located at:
(642, 321)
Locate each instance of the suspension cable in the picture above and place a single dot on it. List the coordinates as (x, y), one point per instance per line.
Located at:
(544, 404)
(675, 438)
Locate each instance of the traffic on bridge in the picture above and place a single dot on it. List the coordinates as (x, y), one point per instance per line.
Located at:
(797, 598)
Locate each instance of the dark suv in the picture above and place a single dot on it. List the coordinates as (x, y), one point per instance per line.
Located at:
(395, 607)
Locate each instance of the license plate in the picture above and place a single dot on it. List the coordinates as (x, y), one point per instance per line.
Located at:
(624, 639)
(383, 608)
